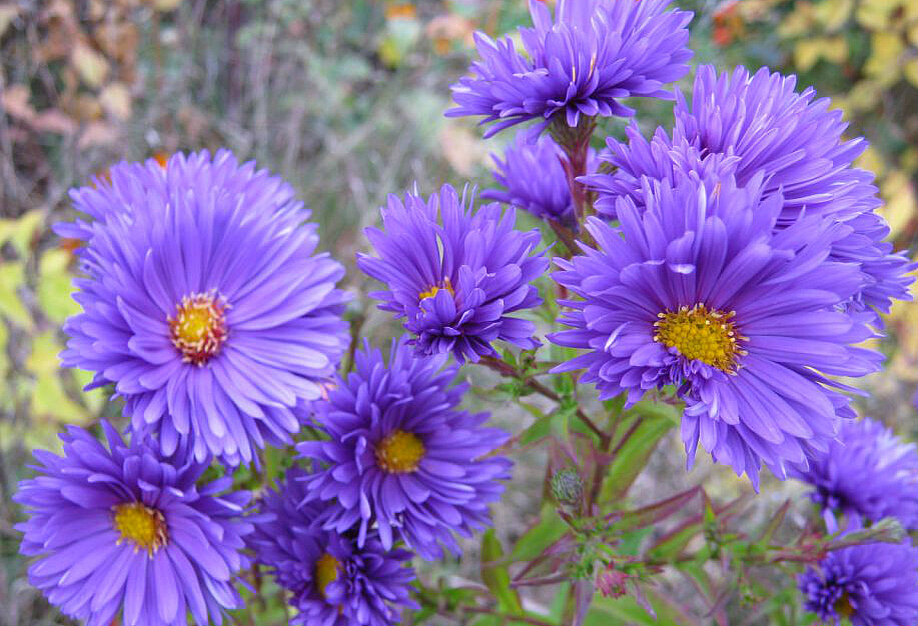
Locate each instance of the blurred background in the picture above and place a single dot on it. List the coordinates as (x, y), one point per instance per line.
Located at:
(344, 99)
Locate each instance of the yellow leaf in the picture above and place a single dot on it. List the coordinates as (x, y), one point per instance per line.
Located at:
(876, 14)
(54, 285)
(833, 14)
(911, 71)
(91, 65)
(11, 275)
(116, 100)
(883, 63)
(806, 53)
(901, 205)
(50, 401)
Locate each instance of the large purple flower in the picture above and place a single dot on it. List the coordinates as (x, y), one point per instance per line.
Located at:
(333, 582)
(867, 473)
(204, 304)
(870, 585)
(401, 457)
(757, 125)
(532, 178)
(124, 530)
(585, 61)
(699, 290)
(455, 273)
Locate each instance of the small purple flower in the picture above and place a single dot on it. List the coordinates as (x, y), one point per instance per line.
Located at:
(585, 61)
(533, 179)
(868, 473)
(205, 304)
(123, 528)
(698, 290)
(870, 585)
(455, 273)
(401, 457)
(333, 582)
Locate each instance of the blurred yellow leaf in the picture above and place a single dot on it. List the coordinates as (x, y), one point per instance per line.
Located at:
(165, 5)
(49, 400)
(808, 51)
(8, 12)
(11, 275)
(876, 14)
(798, 22)
(833, 14)
(21, 231)
(872, 161)
(883, 63)
(901, 205)
(54, 286)
(91, 65)
(913, 35)
(911, 71)
(116, 99)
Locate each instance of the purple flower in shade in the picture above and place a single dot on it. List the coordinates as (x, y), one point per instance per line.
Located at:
(657, 159)
(455, 273)
(585, 61)
(333, 582)
(870, 585)
(125, 528)
(204, 304)
(400, 455)
(757, 125)
(532, 178)
(699, 290)
(867, 473)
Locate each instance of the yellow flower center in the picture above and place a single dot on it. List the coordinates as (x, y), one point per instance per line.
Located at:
(326, 573)
(843, 606)
(198, 329)
(434, 290)
(141, 525)
(400, 452)
(697, 333)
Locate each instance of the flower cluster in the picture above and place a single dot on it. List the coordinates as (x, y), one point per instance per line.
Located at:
(333, 581)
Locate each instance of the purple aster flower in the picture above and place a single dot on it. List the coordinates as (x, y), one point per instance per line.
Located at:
(333, 581)
(532, 178)
(124, 530)
(870, 585)
(699, 290)
(757, 125)
(455, 273)
(868, 472)
(205, 304)
(402, 457)
(585, 61)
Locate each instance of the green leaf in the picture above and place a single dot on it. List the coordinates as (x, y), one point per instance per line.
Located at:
(655, 420)
(656, 512)
(534, 541)
(495, 575)
(54, 286)
(626, 610)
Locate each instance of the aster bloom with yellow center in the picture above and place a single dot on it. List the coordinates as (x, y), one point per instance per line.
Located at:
(401, 460)
(866, 585)
(332, 581)
(751, 125)
(867, 474)
(123, 531)
(204, 303)
(455, 273)
(582, 62)
(698, 290)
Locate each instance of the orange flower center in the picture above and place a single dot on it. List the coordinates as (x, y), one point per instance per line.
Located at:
(435, 289)
(697, 333)
(141, 525)
(400, 452)
(326, 572)
(198, 329)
